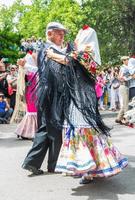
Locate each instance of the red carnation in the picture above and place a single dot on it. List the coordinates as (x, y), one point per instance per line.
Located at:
(85, 56)
(93, 67)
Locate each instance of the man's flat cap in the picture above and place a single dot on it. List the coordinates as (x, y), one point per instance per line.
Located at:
(56, 26)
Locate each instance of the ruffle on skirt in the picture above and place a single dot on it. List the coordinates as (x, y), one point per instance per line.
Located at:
(28, 126)
(85, 151)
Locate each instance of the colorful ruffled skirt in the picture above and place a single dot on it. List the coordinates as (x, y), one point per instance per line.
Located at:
(86, 151)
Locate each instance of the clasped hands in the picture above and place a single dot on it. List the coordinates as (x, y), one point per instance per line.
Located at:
(56, 57)
(49, 53)
(21, 62)
(88, 48)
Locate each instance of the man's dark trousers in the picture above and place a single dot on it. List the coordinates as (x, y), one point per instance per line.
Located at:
(47, 138)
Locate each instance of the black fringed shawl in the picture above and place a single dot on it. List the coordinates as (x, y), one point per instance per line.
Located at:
(59, 84)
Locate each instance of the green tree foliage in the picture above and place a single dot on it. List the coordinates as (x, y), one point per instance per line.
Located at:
(9, 46)
(114, 21)
(36, 17)
(9, 39)
(68, 12)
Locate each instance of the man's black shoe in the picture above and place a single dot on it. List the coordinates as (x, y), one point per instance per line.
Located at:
(51, 171)
(32, 169)
(118, 121)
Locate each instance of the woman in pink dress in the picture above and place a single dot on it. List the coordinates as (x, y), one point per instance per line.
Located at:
(99, 90)
(28, 126)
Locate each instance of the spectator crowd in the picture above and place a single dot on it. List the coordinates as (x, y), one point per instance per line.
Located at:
(31, 43)
(115, 86)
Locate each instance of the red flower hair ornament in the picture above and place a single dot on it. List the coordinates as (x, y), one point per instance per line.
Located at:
(30, 52)
(85, 27)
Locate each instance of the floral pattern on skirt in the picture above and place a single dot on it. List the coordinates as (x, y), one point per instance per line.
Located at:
(86, 151)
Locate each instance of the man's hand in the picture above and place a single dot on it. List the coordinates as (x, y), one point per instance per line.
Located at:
(21, 62)
(49, 53)
(56, 57)
(88, 48)
(7, 104)
(121, 77)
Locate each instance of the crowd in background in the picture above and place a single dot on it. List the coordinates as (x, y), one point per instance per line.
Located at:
(108, 84)
(31, 43)
(8, 86)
